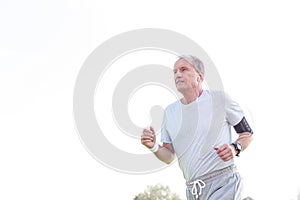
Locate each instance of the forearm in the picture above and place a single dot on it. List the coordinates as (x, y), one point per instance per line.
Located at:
(165, 155)
(244, 139)
(245, 133)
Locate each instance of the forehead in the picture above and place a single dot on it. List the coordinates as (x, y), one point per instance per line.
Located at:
(183, 63)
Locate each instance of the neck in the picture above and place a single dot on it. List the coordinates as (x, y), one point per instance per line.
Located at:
(189, 97)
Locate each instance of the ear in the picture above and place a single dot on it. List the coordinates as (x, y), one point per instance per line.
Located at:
(200, 77)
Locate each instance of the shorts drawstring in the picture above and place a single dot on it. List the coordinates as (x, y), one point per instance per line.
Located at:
(200, 185)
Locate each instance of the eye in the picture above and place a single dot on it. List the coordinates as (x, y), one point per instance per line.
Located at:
(183, 69)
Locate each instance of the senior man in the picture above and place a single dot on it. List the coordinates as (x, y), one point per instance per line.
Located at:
(187, 128)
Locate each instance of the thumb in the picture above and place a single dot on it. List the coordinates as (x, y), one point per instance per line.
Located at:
(216, 148)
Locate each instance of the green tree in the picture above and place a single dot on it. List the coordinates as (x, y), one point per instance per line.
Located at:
(157, 192)
(248, 198)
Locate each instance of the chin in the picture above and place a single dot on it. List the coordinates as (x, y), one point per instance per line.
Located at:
(181, 89)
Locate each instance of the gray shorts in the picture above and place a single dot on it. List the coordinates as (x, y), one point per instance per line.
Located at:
(223, 184)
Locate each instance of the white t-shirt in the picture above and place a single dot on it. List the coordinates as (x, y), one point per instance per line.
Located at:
(194, 129)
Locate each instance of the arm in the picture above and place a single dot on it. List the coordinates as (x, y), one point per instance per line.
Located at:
(164, 153)
(227, 151)
(244, 140)
(245, 133)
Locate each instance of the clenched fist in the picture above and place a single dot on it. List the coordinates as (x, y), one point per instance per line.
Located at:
(225, 152)
(148, 137)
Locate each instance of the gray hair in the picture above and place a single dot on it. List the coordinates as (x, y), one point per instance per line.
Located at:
(193, 60)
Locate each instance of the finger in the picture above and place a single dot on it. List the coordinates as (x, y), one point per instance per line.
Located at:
(148, 144)
(227, 157)
(222, 155)
(227, 148)
(150, 137)
(151, 129)
(219, 150)
(148, 134)
(146, 139)
(223, 152)
(226, 153)
(223, 147)
(146, 130)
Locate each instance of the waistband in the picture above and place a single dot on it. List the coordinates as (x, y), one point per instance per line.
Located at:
(213, 174)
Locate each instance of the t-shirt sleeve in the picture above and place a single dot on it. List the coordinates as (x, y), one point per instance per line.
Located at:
(165, 136)
(234, 112)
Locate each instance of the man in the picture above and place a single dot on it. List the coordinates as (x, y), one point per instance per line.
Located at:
(191, 131)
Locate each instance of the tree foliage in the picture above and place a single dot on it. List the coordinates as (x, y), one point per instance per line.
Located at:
(157, 192)
(248, 198)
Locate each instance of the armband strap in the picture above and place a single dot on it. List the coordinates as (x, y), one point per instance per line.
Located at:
(243, 126)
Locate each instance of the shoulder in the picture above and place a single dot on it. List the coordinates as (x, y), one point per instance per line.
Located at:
(219, 95)
(173, 107)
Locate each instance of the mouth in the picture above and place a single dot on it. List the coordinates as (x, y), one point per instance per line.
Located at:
(179, 81)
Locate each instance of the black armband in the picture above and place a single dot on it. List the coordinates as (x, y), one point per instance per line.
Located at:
(243, 126)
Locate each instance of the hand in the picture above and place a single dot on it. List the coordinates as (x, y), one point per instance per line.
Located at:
(226, 152)
(148, 138)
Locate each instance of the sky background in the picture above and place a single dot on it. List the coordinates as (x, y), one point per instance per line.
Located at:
(255, 46)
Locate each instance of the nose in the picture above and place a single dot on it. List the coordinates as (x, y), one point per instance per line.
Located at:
(178, 74)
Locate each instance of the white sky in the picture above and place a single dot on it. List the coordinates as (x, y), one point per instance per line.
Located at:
(255, 45)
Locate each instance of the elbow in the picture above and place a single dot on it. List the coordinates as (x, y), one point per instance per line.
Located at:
(169, 161)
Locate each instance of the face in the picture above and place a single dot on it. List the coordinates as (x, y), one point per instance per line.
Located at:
(186, 76)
